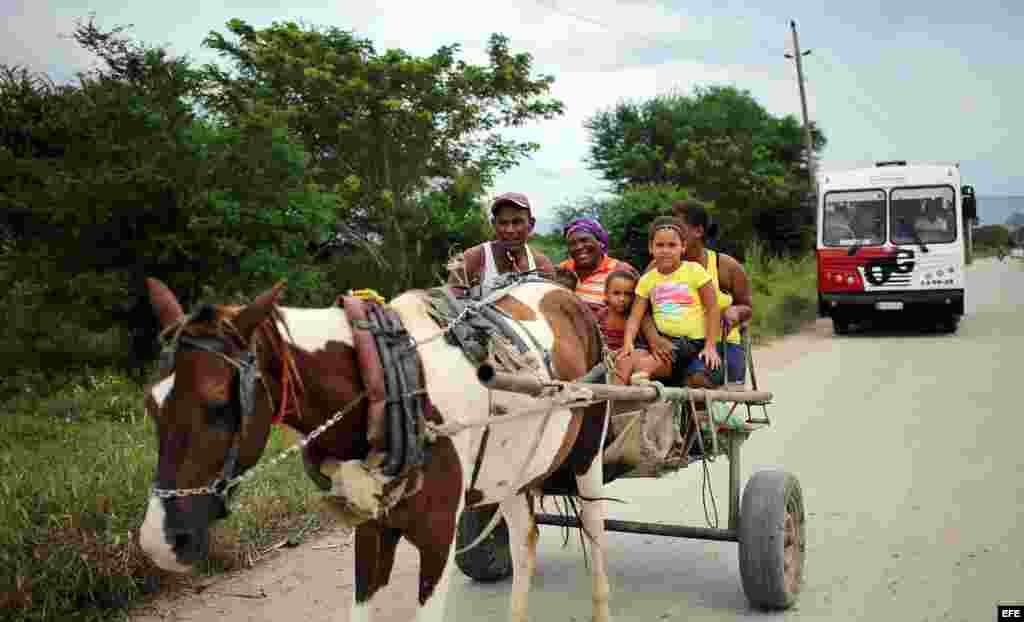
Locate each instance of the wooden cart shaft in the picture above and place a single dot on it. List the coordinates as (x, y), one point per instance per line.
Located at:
(529, 385)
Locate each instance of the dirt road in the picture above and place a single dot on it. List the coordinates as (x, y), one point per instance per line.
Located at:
(908, 448)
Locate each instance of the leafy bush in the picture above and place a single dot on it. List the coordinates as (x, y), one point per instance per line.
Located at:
(784, 292)
(626, 217)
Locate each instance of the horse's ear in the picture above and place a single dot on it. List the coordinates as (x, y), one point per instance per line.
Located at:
(165, 304)
(254, 313)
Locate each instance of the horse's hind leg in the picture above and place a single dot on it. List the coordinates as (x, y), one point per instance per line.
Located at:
(522, 540)
(590, 486)
(375, 555)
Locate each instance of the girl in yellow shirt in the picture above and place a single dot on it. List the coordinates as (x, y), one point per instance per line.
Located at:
(685, 306)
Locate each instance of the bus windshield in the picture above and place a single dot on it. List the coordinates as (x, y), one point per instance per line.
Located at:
(854, 218)
(923, 215)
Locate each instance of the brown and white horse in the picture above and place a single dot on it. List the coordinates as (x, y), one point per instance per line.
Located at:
(306, 358)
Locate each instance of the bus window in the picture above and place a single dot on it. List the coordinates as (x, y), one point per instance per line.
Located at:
(854, 218)
(926, 214)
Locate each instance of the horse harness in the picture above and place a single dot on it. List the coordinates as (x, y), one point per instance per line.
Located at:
(393, 377)
(393, 373)
(224, 416)
(241, 406)
(395, 384)
(473, 335)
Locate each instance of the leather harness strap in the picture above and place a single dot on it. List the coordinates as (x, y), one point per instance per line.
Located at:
(395, 385)
(371, 371)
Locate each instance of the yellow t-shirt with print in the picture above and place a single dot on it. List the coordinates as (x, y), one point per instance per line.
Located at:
(675, 299)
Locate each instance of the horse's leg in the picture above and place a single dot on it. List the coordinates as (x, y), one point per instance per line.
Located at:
(590, 485)
(431, 528)
(375, 556)
(522, 540)
(435, 540)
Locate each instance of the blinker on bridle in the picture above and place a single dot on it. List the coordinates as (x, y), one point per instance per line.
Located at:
(247, 375)
(242, 402)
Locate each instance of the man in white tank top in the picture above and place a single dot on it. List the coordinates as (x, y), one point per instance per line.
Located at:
(513, 223)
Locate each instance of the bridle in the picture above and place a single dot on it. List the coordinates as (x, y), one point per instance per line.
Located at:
(242, 404)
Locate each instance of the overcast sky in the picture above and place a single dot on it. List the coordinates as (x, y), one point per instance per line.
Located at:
(905, 79)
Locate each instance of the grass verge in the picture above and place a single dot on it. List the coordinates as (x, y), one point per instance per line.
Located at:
(983, 252)
(785, 293)
(75, 468)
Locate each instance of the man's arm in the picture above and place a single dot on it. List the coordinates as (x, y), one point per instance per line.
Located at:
(742, 308)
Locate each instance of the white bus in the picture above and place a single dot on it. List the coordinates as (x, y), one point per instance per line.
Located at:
(892, 238)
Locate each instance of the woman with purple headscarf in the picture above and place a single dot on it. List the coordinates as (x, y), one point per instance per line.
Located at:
(587, 243)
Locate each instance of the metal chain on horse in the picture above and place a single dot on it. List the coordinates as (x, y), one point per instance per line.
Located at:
(219, 489)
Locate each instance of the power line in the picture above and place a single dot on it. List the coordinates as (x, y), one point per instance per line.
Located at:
(552, 6)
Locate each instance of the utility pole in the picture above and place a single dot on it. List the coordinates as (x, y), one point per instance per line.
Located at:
(809, 142)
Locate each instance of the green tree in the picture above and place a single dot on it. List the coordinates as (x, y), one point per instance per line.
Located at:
(626, 216)
(118, 176)
(721, 143)
(385, 129)
(582, 207)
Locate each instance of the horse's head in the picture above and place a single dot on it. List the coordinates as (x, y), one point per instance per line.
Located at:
(212, 420)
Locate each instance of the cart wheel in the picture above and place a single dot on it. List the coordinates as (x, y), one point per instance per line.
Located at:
(491, 560)
(840, 325)
(949, 324)
(772, 542)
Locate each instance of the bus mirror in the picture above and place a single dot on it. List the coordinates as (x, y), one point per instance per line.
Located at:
(970, 204)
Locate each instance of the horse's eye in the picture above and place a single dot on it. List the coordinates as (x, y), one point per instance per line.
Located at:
(221, 416)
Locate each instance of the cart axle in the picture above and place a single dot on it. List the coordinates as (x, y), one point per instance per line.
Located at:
(651, 529)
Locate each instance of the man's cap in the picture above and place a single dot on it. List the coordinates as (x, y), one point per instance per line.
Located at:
(516, 198)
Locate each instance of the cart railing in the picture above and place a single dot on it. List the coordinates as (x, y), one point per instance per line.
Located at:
(529, 385)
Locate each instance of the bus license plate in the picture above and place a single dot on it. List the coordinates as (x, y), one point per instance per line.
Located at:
(889, 306)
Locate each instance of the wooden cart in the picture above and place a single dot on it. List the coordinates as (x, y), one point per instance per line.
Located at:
(768, 523)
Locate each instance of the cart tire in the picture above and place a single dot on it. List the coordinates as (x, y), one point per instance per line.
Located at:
(949, 324)
(772, 540)
(840, 325)
(491, 560)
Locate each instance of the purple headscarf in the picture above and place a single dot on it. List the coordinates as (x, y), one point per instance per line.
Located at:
(586, 225)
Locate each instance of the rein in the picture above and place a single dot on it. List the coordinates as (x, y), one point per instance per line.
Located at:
(291, 380)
